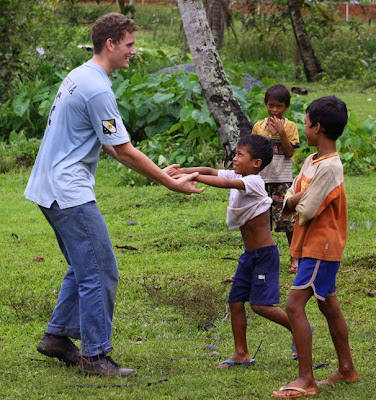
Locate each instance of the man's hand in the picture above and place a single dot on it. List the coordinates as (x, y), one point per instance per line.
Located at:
(186, 184)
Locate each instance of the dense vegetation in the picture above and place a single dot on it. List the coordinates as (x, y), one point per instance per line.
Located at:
(167, 114)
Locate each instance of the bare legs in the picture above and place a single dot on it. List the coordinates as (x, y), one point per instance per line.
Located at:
(239, 327)
(295, 309)
(339, 333)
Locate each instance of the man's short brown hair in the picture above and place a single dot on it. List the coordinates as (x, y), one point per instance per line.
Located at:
(112, 25)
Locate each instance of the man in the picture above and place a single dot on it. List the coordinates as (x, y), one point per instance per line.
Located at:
(84, 119)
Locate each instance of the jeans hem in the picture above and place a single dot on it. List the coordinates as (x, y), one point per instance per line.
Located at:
(92, 350)
(73, 333)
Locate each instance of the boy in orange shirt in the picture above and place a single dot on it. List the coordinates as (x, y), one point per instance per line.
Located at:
(319, 199)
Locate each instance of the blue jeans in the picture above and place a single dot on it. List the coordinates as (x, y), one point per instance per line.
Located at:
(85, 305)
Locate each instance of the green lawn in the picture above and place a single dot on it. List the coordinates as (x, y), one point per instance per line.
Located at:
(171, 289)
(362, 103)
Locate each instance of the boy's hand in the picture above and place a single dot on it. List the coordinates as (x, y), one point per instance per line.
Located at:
(276, 125)
(293, 201)
(172, 170)
(186, 183)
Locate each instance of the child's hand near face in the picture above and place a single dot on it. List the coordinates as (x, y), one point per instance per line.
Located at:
(275, 124)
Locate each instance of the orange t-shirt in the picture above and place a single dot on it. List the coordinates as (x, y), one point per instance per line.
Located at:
(321, 225)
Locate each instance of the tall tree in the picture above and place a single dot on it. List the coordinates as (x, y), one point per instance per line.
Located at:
(126, 9)
(230, 118)
(218, 14)
(312, 65)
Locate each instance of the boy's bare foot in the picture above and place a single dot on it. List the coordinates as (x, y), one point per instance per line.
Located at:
(236, 360)
(295, 389)
(339, 377)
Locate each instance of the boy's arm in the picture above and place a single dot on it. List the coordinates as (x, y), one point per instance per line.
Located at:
(293, 200)
(207, 175)
(279, 126)
(323, 189)
(221, 182)
(175, 170)
(131, 157)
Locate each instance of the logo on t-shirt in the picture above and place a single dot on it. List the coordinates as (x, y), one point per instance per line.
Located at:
(109, 126)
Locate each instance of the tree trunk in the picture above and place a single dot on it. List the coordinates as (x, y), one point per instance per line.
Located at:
(218, 16)
(121, 6)
(126, 10)
(230, 118)
(312, 65)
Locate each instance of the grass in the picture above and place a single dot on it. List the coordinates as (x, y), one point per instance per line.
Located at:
(361, 102)
(171, 293)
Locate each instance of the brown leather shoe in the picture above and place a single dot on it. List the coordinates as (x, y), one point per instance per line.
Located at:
(60, 347)
(104, 366)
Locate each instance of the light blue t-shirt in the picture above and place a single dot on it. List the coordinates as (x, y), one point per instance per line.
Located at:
(83, 117)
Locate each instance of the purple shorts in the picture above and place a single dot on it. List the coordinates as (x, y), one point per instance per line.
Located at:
(318, 274)
(257, 278)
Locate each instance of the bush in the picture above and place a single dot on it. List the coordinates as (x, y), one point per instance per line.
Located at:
(19, 153)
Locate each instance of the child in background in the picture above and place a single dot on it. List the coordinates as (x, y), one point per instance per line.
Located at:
(257, 277)
(278, 174)
(318, 196)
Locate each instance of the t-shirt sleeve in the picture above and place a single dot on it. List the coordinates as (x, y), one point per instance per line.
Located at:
(292, 133)
(229, 174)
(253, 184)
(106, 120)
(315, 199)
(256, 130)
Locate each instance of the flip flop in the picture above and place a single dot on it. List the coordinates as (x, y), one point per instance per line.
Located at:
(232, 363)
(294, 354)
(301, 392)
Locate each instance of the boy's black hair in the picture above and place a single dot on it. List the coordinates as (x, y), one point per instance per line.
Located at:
(278, 92)
(331, 113)
(258, 147)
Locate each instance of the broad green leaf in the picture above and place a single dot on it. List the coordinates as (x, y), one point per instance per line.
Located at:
(162, 97)
(142, 110)
(154, 115)
(20, 105)
(186, 113)
(180, 159)
(194, 134)
(119, 92)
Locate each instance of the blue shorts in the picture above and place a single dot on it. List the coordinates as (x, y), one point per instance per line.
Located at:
(257, 278)
(318, 274)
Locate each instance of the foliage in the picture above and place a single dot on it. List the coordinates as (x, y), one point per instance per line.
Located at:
(168, 117)
(26, 113)
(358, 146)
(20, 152)
(40, 37)
(166, 114)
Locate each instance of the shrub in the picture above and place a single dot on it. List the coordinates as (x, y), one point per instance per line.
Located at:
(19, 153)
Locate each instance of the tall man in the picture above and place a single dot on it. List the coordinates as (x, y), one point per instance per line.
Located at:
(84, 119)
